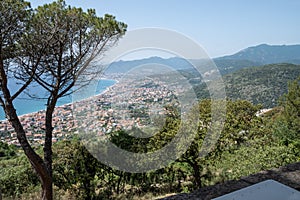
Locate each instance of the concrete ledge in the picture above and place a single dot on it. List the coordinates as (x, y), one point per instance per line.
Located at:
(288, 175)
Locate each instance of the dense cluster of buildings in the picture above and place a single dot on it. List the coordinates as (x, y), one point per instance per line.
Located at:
(34, 125)
(123, 106)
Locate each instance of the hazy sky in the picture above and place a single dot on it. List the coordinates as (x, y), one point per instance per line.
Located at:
(221, 27)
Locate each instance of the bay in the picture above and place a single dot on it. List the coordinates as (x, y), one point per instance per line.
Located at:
(25, 105)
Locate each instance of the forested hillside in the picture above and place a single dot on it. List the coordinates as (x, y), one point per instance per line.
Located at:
(259, 85)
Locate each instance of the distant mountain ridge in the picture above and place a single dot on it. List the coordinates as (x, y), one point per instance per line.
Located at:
(124, 66)
(268, 54)
(252, 56)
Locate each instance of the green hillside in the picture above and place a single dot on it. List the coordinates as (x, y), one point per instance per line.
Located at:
(268, 54)
(260, 85)
(227, 66)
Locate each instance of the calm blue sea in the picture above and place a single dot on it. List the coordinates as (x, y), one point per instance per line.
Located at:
(26, 105)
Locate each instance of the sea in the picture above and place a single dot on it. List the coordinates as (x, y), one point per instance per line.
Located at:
(25, 104)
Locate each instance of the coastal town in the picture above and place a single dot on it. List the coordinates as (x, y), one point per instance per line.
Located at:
(127, 104)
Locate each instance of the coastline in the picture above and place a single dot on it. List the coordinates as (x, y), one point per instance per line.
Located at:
(70, 103)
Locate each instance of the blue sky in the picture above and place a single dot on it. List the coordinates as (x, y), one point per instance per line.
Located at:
(221, 27)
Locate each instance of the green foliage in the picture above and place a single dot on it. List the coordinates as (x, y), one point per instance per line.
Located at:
(287, 124)
(251, 158)
(291, 105)
(241, 125)
(14, 17)
(75, 169)
(7, 151)
(66, 40)
(127, 142)
(17, 176)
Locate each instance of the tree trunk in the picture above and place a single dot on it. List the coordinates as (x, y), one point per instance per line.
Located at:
(87, 189)
(35, 160)
(48, 190)
(197, 175)
(196, 171)
(119, 182)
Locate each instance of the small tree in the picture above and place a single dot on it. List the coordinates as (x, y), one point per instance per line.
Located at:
(74, 166)
(240, 122)
(287, 125)
(51, 46)
(291, 104)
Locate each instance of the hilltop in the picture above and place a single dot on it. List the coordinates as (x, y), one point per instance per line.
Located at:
(268, 54)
